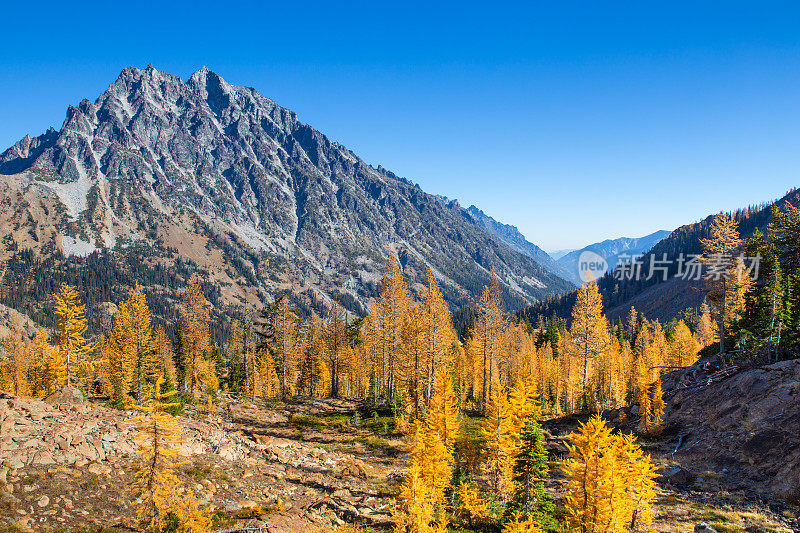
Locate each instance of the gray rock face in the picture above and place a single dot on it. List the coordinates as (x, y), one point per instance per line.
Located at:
(238, 160)
(746, 423)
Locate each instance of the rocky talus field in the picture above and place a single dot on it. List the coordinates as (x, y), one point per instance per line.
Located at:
(66, 464)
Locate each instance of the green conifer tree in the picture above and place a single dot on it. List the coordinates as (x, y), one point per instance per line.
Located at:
(530, 499)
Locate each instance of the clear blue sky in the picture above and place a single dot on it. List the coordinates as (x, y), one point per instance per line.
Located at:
(576, 124)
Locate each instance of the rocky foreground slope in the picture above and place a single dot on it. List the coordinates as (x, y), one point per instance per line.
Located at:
(745, 422)
(729, 457)
(67, 465)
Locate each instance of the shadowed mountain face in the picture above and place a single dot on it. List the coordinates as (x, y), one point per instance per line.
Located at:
(512, 237)
(202, 166)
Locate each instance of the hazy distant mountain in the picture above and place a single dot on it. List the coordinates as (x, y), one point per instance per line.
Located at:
(204, 175)
(558, 254)
(610, 249)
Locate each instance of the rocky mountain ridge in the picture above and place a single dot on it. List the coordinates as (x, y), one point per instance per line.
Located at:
(225, 177)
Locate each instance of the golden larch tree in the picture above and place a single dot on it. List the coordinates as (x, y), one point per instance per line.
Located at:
(412, 367)
(683, 348)
(195, 337)
(487, 338)
(156, 486)
(337, 349)
(384, 329)
(133, 362)
(609, 482)
(284, 339)
(706, 333)
(439, 334)
(74, 349)
(589, 333)
(719, 256)
(500, 431)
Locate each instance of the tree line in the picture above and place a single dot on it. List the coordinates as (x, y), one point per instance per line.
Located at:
(404, 354)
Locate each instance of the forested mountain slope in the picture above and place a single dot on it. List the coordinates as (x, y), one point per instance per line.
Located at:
(656, 298)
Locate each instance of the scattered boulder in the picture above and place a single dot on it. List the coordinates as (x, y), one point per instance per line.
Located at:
(702, 527)
(677, 476)
(99, 470)
(66, 396)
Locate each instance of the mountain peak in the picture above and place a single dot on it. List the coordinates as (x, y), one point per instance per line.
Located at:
(202, 73)
(242, 168)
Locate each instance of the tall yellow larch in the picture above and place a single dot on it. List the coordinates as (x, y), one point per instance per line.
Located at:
(284, 340)
(156, 487)
(413, 363)
(719, 255)
(523, 401)
(609, 482)
(385, 326)
(443, 411)
(627, 371)
(439, 334)
(558, 347)
(589, 333)
(312, 368)
(499, 429)
(509, 360)
(683, 348)
(337, 345)
(164, 355)
(249, 354)
(422, 498)
(487, 337)
(642, 356)
(706, 327)
(414, 509)
(659, 353)
(195, 336)
(48, 363)
(438, 471)
(117, 359)
(617, 354)
(636, 475)
(15, 365)
(74, 348)
(589, 472)
(132, 360)
(265, 378)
